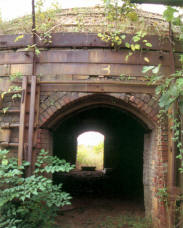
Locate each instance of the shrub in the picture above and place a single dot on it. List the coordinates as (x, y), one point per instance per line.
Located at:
(29, 202)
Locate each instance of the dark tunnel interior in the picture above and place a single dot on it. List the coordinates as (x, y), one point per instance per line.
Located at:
(123, 152)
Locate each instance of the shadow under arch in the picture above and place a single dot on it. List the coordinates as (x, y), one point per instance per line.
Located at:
(145, 132)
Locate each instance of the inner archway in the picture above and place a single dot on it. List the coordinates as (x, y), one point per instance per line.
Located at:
(130, 144)
(90, 151)
(123, 149)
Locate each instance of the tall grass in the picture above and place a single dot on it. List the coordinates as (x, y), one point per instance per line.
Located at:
(90, 156)
(126, 221)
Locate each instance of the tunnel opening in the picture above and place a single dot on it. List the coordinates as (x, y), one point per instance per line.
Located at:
(90, 151)
(122, 176)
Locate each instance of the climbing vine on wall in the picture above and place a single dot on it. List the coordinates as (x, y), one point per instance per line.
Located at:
(169, 90)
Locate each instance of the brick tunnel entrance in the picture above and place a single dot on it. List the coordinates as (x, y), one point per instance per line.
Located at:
(130, 146)
(123, 152)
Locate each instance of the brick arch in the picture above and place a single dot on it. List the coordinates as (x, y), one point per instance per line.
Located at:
(141, 105)
(60, 104)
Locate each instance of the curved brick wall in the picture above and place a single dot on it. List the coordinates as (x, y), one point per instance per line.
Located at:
(56, 105)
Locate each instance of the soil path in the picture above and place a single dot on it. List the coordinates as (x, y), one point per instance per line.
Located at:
(92, 212)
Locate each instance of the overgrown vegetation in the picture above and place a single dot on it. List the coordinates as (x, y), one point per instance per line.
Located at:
(25, 200)
(126, 221)
(169, 90)
(90, 156)
(31, 201)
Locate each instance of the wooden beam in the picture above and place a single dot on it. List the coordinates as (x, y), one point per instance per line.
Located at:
(31, 122)
(103, 56)
(164, 2)
(9, 144)
(80, 40)
(92, 69)
(11, 111)
(98, 87)
(9, 125)
(22, 120)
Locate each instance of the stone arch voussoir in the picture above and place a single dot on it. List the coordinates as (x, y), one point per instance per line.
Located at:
(142, 103)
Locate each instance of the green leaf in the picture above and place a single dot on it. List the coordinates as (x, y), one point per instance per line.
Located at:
(133, 47)
(148, 44)
(123, 37)
(155, 70)
(169, 13)
(147, 68)
(137, 46)
(4, 162)
(127, 45)
(136, 38)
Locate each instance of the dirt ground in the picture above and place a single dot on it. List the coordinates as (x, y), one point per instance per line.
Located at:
(92, 212)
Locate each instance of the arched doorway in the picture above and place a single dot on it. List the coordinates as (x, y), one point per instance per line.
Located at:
(90, 151)
(130, 140)
(123, 147)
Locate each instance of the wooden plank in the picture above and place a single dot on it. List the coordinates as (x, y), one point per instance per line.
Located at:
(31, 122)
(178, 45)
(22, 120)
(79, 40)
(108, 82)
(103, 56)
(4, 84)
(9, 125)
(8, 41)
(15, 57)
(163, 2)
(36, 122)
(92, 69)
(24, 69)
(11, 111)
(9, 144)
(98, 87)
(4, 70)
(86, 56)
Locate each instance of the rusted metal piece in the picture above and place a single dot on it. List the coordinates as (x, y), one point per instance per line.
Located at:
(22, 120)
